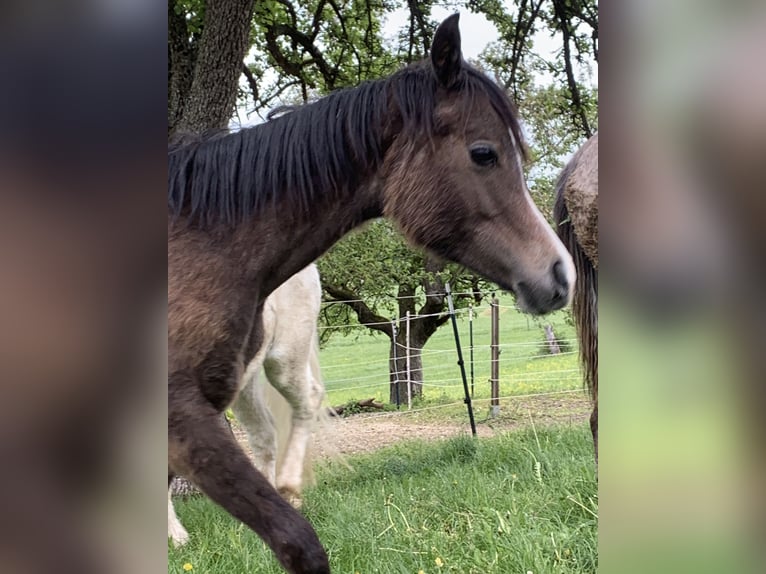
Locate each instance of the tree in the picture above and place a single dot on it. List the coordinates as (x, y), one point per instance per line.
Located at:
(368, 270)
(307, 49)
(558, 114)
(206, 46)
(515, 61)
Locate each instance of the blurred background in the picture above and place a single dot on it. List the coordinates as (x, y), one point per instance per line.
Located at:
(680, 316)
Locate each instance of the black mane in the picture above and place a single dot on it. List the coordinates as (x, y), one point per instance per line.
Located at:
(328, 146)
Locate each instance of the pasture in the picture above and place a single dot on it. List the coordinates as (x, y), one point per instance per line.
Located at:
(356, 366)
(521, 502)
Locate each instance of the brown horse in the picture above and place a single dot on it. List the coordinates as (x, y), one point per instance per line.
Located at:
(437, 147)
(576, 215)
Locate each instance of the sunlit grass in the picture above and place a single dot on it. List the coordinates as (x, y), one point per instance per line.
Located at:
(520, 502)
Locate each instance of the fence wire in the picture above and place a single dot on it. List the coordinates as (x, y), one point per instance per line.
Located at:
(443, 374)
(418, 410)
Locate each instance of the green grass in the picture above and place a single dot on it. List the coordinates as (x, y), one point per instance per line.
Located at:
(520, 502)
(356, 366)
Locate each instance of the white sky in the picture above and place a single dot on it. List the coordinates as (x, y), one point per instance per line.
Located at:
(475, 30)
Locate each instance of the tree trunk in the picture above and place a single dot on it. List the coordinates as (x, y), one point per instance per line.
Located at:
(181, 57)
(550, 337)
(222, 46)
(398, 369)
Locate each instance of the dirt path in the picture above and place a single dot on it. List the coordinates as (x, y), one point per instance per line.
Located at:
(369, 432)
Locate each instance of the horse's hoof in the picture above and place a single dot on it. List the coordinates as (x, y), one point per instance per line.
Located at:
(291, 496)
(179, 537)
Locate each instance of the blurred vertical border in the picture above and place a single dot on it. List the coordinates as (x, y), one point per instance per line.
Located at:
(683, 130)
(82, 286)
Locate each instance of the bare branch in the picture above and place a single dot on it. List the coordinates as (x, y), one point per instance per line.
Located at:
(250, 81)
(273, 32)
(289, 7)
(560, 10)
(417, 14)
(364, 314)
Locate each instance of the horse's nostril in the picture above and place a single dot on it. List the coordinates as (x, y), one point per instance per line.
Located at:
(559, 275)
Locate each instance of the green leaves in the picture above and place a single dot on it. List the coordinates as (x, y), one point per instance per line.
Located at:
(377, 266)
(311, 48)
(193, 12)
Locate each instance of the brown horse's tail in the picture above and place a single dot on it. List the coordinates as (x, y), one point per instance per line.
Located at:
(584, 303)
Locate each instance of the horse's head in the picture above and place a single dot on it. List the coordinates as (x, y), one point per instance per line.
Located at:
(460, 191)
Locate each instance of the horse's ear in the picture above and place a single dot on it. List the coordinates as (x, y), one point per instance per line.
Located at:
(446, 56)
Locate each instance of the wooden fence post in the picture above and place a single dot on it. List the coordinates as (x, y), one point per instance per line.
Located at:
(550, 337)
(394, 332)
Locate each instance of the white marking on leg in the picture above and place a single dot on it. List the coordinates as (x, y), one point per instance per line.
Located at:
(176, 532)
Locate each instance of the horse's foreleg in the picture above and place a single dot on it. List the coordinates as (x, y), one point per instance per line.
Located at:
(176, 532)
(304, 395)
(251, 411)
(203, 450)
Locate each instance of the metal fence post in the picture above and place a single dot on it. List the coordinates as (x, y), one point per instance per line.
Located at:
(460, 358)
(494, 409)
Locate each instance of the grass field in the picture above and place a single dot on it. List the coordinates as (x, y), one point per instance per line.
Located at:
(518, 503)
(356, 366)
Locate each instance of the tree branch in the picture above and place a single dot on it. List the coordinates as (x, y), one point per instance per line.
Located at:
(435, 298)
(317, 20)
(405, 299)
(273, 32)
(347, 43)
(516, 50)
(282, 61)
(417, 15)
(289, 7)
(278, 91)
(364, 314)
(251, 81)
(577, 104)
(520, 34)
(435, 301)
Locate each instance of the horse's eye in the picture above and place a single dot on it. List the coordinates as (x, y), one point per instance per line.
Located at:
(483, 155)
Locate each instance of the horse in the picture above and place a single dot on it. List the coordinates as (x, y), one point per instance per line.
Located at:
(290, 358)
(575, 214)
(436, 146)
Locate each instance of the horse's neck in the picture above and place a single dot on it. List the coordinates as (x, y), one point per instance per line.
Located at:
(284, 244)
